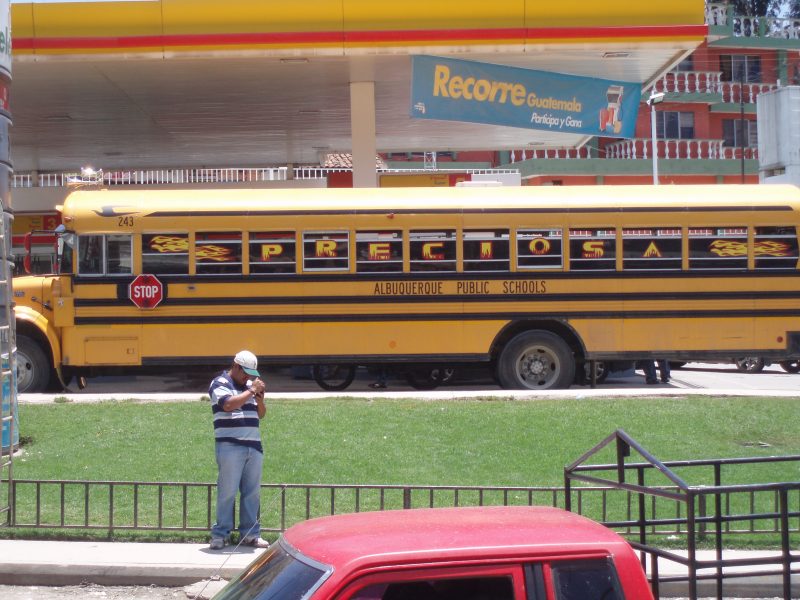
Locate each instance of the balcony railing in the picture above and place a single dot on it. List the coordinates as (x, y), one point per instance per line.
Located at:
(642, 149)
(564, 153)
(221, 175)
(710, 82)
(721, 15)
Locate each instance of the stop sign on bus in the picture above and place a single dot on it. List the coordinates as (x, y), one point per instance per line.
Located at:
(146, 291)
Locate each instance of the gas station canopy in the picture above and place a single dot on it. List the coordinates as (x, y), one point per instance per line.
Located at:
(158, 83)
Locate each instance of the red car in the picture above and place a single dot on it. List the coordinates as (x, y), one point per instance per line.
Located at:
(485, 553)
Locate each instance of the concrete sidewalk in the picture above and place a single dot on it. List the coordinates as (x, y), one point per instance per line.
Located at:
(49, 563)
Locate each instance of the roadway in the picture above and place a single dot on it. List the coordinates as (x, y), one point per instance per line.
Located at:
(693, 376)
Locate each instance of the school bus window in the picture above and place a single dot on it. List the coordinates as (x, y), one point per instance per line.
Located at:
(592, 249)
(776, 248)
(379, 251)
(539, 249)
(218, 253)
(90, 255)
(272, 252)
(326, 251)
(432, 251)
(651, 249)
(165, 253)
(486, 250)
(119, 255)
(718, 248)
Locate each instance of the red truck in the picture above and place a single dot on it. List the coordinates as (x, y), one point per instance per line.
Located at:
(476, 553)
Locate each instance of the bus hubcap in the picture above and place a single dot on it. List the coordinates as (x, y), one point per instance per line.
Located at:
(538, 367)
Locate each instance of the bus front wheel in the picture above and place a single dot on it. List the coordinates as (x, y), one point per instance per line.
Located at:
(333, 378)
(536, 360)
(33, 369)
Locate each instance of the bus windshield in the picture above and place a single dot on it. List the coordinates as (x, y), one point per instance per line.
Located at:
(66, 248)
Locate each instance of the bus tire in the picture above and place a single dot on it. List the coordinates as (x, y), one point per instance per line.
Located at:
(790, 366)
(536, 360)
(429, 379)
(333, 378)
(33, 368)
(750, 364)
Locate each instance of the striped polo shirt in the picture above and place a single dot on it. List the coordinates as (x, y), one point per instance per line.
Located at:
(238, 426)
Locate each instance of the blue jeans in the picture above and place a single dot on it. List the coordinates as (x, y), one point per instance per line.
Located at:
(239, 470)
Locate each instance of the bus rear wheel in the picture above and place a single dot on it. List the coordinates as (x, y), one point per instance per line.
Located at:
(333, 378)
(536, 360)
(790, 366)
(33, 368)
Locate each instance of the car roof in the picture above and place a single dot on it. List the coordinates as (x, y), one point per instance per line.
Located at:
(426, 535)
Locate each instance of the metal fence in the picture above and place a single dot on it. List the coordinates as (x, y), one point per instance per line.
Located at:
(176, 506)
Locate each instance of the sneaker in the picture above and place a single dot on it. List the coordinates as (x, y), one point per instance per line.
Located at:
(255, 542)
(665, 380)
(652, 382)
(377, 385)
(217, 543)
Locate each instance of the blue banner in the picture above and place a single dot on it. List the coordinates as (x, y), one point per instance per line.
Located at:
(461, 90)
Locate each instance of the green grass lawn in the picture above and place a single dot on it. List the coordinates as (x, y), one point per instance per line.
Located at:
(464, 442)
(381, 441)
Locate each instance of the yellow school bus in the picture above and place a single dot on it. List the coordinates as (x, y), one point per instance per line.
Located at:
(532, 281)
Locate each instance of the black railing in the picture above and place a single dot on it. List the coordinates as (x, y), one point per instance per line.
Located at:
(711, 510)
(179, 506)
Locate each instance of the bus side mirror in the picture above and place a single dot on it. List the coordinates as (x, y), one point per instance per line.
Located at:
(26, 260)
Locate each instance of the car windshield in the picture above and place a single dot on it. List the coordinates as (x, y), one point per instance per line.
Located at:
(275, 575)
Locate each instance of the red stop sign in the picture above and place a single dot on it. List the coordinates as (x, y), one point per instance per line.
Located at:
(146, 291)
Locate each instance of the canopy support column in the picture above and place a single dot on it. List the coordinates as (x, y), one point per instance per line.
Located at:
(362, 127)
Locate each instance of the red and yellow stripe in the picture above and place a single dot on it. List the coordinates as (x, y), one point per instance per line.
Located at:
(44, 28)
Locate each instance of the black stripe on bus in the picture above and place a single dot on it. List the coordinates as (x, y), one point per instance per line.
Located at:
(308, 359)
(468, 211)
(442, 299)
(420, 276)
(412, 317)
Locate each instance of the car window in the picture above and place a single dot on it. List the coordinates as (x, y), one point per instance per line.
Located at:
(585, 580)
(467, 588)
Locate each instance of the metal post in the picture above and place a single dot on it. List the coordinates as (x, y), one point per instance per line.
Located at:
(741, 118)
(655, 142)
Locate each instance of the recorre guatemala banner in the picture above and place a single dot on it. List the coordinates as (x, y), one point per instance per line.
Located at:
(461, 90)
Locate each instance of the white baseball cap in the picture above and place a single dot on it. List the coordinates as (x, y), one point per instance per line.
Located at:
(248, 361)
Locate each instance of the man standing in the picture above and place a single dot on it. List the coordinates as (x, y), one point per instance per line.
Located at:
(237, 402)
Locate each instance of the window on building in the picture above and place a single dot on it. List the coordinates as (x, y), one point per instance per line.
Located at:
(674, 125)
(379, 251)
(165, 253)
(737, 133)
(272, 252)
(742, 68)
(218, 253)
(687, 64)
